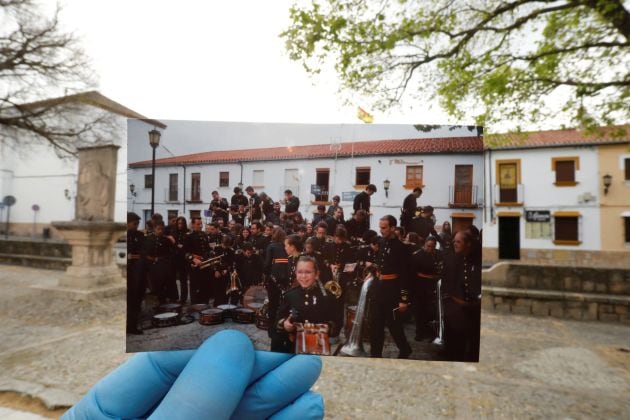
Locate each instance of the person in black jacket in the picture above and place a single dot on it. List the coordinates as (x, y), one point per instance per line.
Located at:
(197, 249)
(249, 267)
(306, 302)
(390, 291)
(462, 309)
(157, 250)
(135, 273)
(409, 208)
(276, 271)
(362, 200)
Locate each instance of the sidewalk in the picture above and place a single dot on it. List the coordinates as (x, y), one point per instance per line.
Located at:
(530, 367)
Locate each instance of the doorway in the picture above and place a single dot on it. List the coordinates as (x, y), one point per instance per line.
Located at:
(509, 238)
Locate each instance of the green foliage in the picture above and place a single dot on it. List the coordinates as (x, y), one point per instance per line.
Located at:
(524, 61)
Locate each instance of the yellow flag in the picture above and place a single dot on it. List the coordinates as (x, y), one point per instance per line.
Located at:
(364, 116)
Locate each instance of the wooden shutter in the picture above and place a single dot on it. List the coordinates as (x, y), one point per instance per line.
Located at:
(566, 228)
(565, 171)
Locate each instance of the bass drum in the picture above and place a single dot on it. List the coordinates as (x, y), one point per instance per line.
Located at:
(254, 295)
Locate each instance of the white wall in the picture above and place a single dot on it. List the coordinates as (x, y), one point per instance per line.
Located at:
(439, 173)
(540, 193)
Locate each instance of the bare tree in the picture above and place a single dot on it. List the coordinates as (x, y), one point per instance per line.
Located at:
(39, 61)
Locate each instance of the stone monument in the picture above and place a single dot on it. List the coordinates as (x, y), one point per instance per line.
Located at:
(92, 234)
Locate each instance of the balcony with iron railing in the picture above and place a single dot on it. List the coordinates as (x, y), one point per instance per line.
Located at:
(463, 197)
(193, 195)
(509, 197)
(171, 195)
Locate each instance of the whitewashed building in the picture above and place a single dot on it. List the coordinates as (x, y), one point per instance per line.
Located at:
(544, 197)
(449, 169)
(39, 179)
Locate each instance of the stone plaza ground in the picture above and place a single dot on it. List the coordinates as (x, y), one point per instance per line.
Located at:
(55, 349)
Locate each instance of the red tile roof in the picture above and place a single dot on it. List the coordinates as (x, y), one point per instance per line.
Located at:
(358, 148)
(558, 138)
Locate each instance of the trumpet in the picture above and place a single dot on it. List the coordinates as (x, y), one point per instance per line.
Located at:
(210, 262)
(334, 286)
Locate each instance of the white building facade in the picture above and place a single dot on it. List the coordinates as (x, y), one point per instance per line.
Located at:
(184, 183)
(543, 196)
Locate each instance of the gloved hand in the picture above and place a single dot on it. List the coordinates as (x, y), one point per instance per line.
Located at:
(225, 378)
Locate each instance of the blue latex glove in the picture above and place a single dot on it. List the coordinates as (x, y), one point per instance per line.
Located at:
(225, 378)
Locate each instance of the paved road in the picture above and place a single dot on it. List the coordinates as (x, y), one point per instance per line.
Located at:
(530, 367)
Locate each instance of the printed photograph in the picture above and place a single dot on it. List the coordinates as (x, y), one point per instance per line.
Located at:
(345, 240)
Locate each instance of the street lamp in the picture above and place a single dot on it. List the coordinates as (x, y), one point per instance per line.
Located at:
(607, 182)
(154, 141)
(386, 184)
(132, 189)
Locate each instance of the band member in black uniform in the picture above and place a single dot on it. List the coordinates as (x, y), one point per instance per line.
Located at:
(409, 206)
(321, 215)
(197, 249)
(258, 240)
(308, 301)
(266, 204)
(214, 234)
(426, 266)
(390, 291)
(293, 247)
(310, 251)
(254, 209)
(219, 207)
(249, 266)
(462, 309)
(336, 221)
(276, 270)
(334, 206)
(181, 265)
(222, 270)
(366, 254)
(344, 253)
(362, 201)
(135, 275)
(424, 225)
(292, 206)
(157, 250)
(357, 226)
(274, 216)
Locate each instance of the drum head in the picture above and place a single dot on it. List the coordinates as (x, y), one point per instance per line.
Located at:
(212, 311)
(227, 307)
(255, 294)
(165, 315)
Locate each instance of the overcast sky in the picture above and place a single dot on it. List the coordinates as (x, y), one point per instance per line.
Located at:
(212, 61)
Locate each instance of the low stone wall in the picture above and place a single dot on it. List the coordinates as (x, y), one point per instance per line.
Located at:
(596, 294)
(564, 257)
(50, 254)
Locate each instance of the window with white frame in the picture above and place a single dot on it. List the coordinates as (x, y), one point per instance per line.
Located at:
(258, 178)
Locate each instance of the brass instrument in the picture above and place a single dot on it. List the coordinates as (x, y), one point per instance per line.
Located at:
(354, 345)
(439, 340)
(334, 286)
(210, 262)
(234, 284)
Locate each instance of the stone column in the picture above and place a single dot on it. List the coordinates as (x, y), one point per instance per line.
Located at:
(93, 232)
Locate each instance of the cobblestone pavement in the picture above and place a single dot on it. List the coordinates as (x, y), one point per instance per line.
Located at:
(530, 367)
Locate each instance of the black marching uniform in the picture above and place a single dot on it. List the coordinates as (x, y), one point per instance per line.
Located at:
(276, 269)
(135, 278)
(462, 309)
(196, 245)
(249, 269)
(427, 268)
(313, 305)
(260, 243)
(408, 211)
(254, 208)
(221, 275)
(181, 265)
(388, 291)
(157, 251)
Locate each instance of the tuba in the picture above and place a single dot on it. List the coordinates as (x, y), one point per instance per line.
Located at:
(333, 286)
(354, 345)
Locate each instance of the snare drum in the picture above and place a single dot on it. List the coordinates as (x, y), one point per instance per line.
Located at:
(166, 319)
(211, 316)
(244, 316)
(170, 307)
(312, 339)
(228, 310)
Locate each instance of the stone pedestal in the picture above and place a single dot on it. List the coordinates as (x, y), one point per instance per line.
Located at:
(93, 273)
(93, 264)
